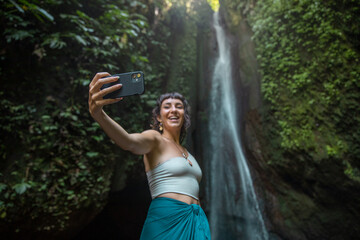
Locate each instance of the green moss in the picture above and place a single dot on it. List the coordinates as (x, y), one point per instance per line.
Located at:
(309, 69)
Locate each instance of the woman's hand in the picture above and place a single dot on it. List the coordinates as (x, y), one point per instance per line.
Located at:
(137, 143)
(96, 101)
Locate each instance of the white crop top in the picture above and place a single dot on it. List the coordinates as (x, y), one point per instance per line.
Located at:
(175, 175)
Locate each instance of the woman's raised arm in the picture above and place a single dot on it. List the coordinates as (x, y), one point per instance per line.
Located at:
(137, 143)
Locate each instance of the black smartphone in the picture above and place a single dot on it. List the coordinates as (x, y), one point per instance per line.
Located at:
(132, 84)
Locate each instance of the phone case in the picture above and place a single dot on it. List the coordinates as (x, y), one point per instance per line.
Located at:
(132, 84)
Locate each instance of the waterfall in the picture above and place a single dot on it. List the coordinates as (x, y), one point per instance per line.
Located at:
(233, 208)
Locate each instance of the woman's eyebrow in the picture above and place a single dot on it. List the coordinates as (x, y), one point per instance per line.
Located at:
(176, 104)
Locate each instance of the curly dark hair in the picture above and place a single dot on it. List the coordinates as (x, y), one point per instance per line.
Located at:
(156, 112)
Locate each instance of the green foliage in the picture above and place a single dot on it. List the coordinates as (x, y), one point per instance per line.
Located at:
(55, 165)
(80, 40)
(55, 160)
(309, 61)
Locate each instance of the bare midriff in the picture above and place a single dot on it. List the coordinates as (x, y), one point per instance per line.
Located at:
(180, 197)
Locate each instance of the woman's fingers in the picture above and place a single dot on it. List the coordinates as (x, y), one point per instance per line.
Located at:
(96, 106)
(103, 102)
(98, 76)
(100, 94)
(99, 83)
(96, 101)
(103, 81)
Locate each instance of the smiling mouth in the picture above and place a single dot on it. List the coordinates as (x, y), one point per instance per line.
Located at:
(174, 118)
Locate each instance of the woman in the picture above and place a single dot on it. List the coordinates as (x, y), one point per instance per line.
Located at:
(173, 173)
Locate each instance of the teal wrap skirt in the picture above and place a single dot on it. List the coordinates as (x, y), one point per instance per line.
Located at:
(168, 219)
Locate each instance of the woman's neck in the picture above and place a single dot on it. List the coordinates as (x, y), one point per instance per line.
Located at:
(172, 136)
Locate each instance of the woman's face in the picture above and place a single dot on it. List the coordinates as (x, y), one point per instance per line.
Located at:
(172, 113)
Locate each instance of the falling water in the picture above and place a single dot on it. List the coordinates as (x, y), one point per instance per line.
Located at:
(234, 211)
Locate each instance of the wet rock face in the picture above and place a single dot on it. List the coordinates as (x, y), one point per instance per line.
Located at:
(322, 206)
(300, 199)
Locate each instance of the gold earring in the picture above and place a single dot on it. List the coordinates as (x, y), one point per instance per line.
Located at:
(160, 127)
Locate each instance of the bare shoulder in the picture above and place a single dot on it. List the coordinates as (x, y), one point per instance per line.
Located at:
(151, 132)
(155, 135)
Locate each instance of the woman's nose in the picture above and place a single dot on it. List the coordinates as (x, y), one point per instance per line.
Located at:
(173, 109)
